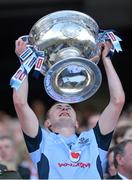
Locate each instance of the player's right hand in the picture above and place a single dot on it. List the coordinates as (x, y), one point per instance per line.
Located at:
(20, 46)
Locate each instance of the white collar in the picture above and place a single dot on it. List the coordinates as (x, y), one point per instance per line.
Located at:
(123, 177)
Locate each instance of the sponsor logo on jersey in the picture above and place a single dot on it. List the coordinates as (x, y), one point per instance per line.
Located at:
(80, 164)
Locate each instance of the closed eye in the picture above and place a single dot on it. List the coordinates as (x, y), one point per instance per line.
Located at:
(60, 107)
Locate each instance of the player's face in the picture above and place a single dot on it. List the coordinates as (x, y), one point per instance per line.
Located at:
(59, 111)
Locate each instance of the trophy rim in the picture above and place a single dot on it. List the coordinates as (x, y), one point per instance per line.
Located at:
(63, 13)
(74, 98)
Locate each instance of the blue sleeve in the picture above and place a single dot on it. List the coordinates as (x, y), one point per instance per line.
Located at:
(103, 141)
(33, 143)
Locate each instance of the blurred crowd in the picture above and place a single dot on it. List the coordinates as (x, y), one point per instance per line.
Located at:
(14, 157)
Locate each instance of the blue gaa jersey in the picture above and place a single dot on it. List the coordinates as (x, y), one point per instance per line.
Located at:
(75, 157)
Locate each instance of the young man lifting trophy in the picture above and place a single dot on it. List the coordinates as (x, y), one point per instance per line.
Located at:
(66, 47)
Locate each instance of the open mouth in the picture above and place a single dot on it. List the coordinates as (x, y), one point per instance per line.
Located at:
(64, 114)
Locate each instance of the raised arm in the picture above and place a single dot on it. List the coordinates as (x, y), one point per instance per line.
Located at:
(110, 115)
(27, 117)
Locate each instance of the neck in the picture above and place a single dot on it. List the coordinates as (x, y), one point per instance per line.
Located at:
(125, 173)
(65, 131)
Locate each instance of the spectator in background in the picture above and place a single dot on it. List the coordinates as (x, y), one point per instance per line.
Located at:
(11, 139)
(92, 120)
(4, 118)
(87, 124)
(3, 129)
(111, 169)
(123, 160)
(39, 110)
(122, 133)
(8, 157)
(128, 133)
(87, 118)
(7, 151)
(16, 133)
(126, 117)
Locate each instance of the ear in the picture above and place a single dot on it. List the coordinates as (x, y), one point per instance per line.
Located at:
(77, 124)
(47, 123)
(120, 159)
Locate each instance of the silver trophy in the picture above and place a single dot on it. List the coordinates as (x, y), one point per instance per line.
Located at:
(69, 40)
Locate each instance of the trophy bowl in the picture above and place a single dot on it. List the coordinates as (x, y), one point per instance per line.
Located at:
(71, 53)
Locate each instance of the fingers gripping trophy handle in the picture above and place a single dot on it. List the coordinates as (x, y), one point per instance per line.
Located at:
(27, 60)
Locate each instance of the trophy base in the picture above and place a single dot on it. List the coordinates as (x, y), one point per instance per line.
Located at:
(72, 80)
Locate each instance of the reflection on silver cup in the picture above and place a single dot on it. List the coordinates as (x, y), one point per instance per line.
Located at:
(69, 40)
